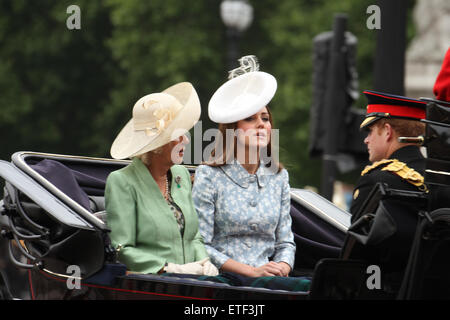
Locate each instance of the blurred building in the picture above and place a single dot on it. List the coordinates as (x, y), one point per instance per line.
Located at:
(343, 195)
(426, 51)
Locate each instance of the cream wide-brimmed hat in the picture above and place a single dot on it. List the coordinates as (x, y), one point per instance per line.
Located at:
(248, 91)
(157, 119)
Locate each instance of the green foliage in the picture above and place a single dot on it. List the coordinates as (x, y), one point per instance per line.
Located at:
(157, 44)
(53, 79)
(283, 36)
(71, 91)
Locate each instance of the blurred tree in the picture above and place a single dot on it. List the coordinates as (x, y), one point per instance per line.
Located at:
(71, 91)
(156, 44)
(53, 80)
(161, 42)
(282, 33)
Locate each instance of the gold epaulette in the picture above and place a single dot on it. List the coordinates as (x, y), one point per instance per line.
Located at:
(401, 169)
(408, 174)
(374, 165)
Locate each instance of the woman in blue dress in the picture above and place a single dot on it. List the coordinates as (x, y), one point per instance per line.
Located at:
(242, 193)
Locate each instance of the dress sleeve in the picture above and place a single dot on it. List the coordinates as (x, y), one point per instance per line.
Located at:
(204, 194)
(284, 243)
(199, 247)
(120, 202)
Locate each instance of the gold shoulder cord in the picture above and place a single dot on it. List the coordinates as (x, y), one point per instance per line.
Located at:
(375, 165)
(408, 174)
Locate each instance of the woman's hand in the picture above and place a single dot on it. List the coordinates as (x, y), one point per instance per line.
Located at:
(286, 268)
(272, 268)
(208, 268)
(188, 268)
(202, 267)
(269, 269)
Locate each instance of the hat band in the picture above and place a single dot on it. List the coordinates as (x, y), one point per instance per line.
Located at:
(164, 117)
(398, 111)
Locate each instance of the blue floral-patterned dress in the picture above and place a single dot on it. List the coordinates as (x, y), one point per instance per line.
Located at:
(244, 216)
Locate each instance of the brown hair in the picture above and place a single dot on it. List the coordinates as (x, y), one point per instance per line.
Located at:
(403, 127)
(227, 145)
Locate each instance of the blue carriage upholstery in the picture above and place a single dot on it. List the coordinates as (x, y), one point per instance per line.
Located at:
(85, 188)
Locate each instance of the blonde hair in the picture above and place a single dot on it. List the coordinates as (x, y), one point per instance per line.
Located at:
(145, 157)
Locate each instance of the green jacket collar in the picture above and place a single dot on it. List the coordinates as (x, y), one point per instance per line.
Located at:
(145, 177)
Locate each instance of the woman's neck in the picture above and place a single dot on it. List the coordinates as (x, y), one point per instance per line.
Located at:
(251, 168)
(249, 163)
(158, 168)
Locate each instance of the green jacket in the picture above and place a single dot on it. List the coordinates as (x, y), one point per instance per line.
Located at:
(142, 223)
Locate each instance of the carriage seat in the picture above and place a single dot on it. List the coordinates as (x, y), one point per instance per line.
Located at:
(97, 204)
(84, 189)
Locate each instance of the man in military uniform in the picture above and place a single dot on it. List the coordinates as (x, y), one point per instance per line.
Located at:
(399, 165)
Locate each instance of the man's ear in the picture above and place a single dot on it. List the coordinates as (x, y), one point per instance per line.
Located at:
(389, 132)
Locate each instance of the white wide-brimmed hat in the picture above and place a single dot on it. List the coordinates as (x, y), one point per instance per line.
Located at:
(243, 95)
(157, 119)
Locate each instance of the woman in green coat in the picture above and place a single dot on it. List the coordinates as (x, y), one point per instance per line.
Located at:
(153, 222)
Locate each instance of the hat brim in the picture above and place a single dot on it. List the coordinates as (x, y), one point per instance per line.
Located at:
(130, 143)
(241, 97)
(368, 121)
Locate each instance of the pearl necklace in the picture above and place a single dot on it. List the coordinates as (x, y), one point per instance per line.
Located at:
(166, 193)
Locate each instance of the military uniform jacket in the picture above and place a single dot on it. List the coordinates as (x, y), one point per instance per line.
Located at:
(142, 224)
(403, 170)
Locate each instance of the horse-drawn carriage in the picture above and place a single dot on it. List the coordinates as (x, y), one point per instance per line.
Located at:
(54, 240)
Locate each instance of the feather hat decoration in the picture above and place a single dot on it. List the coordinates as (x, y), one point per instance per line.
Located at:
(247, 64)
